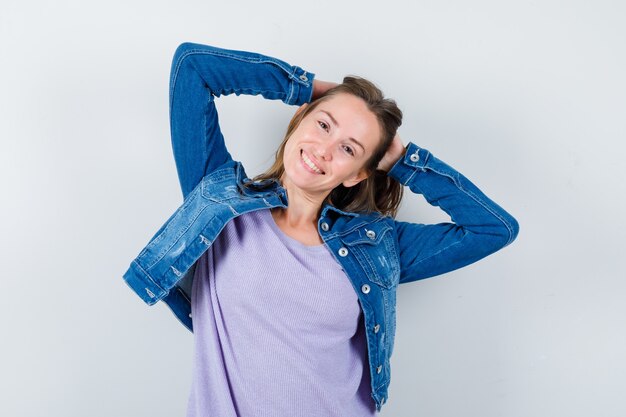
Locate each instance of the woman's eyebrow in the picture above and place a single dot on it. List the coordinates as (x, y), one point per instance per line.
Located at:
(332, 119)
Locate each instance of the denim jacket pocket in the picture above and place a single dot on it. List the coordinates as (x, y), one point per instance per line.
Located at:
(375, 249)
(219, 184)
(230, 182)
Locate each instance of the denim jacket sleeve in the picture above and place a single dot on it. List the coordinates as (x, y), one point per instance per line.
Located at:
(199, 74)
(479, 226)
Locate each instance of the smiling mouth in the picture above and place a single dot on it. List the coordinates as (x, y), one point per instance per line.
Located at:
(310, 163)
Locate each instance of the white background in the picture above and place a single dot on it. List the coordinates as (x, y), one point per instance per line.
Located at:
(526, 98)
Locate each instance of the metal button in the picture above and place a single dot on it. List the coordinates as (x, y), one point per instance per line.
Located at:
(304, 77)
(325, 227)
(371, 234)
(379, 369)
(376, 328)
(415, 157)
(365, 288)
(343, 252)
(189, 315)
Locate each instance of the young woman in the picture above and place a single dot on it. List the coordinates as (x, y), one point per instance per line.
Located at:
(291, 277)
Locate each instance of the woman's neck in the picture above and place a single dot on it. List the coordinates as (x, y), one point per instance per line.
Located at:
(299, 219)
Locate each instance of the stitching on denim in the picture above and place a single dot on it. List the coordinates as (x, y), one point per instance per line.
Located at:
(457, 183)
(232, 209)
(160, 237)
(383, 351)
(145, 273)
(347, 263)
(385, 315)
(441, 250)
(383, 384)
(252, 60)
(415, 169)
(292, 87)
(373, 350)
(367, 309)
(390, 248)
(388, 307)
(385, 228)
(249, 59)
(181, 292)
(364, 259)
(497, 215)
(219, 175)
(292, 91)
(177, 238)
(357, 226)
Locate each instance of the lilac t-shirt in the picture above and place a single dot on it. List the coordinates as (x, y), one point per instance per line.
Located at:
(277, 327)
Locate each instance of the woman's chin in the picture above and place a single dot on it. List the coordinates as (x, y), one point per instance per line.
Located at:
(305, 182)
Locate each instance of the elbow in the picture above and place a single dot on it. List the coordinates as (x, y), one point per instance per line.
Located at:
(514, 231)
(495, 238)
(507, 230)
(183, 50)
(497, 234)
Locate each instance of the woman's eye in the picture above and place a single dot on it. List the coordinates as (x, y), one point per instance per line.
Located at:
(323, 125)
(348, 150)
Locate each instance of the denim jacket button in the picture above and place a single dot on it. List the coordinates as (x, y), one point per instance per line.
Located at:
(379, 369)
(415, 157)
(365, 289)
(304, 77)
(325, 227)
(343, 252)
(376, 328)
(371, 234)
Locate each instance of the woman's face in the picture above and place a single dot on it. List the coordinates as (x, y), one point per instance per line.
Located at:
(331, 145)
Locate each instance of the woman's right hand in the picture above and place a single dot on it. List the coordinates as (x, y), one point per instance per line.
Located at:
(394, 153)
(320, 87)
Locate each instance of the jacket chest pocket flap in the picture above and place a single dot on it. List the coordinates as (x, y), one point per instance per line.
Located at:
(375, 249)
(222, 187)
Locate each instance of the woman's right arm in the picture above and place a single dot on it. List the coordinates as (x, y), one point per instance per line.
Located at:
(199, 74)
(479, 226)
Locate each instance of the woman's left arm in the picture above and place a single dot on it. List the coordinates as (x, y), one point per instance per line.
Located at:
(479, 226)
(200, 74)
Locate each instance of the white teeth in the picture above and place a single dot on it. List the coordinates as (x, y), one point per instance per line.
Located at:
(310, 163)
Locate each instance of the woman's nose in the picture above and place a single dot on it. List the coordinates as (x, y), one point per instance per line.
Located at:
(323, 151)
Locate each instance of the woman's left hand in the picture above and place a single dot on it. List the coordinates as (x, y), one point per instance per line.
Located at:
(394, 153)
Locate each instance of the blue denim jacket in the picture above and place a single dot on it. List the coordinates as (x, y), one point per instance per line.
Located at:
(376, 252)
